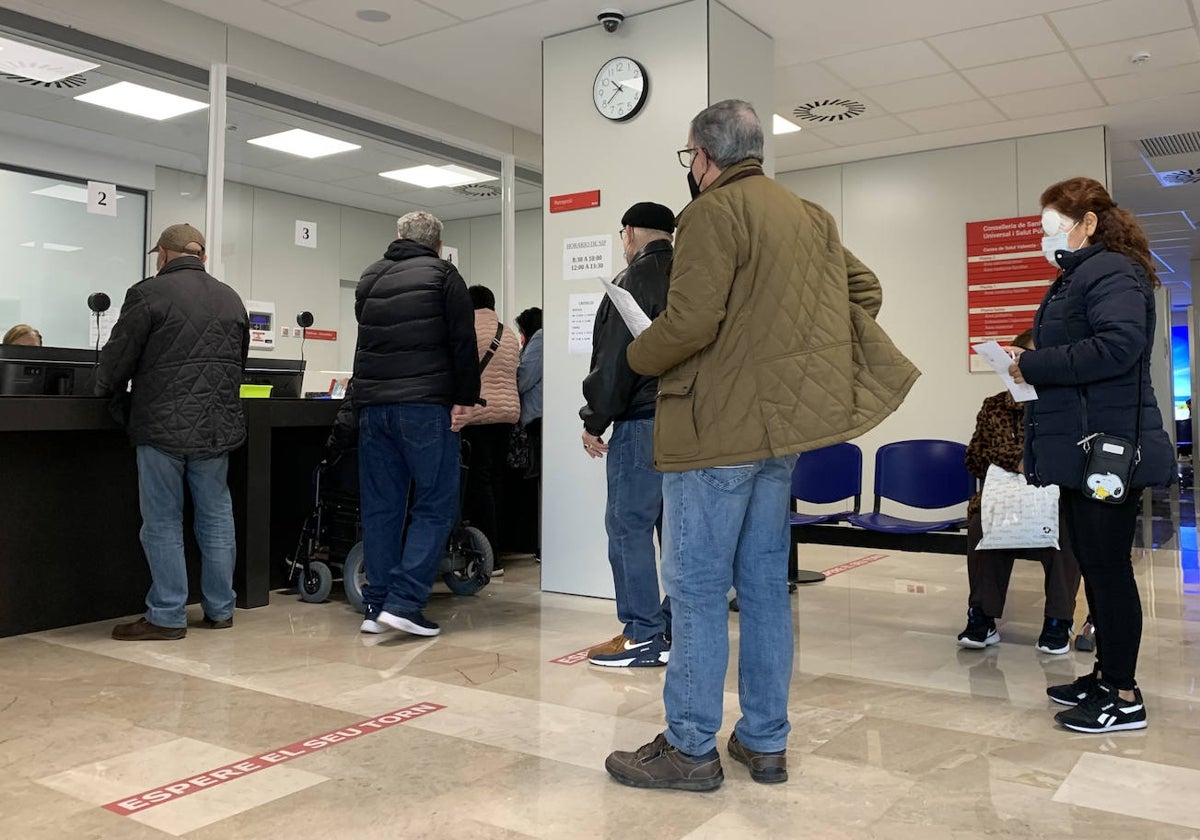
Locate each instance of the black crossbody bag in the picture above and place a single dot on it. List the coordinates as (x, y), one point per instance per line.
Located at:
(1109, 460)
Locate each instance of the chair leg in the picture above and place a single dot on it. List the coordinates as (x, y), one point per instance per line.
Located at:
(795, 573)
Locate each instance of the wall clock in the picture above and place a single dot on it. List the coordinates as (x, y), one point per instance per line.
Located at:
(620, 89)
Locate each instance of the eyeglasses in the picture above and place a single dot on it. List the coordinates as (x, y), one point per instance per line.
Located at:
(621, 233)
(687, 156)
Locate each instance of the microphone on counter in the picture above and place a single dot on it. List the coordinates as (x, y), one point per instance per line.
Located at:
(99, 303)
(304, 320)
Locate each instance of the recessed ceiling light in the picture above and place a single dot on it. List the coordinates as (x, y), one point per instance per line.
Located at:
(303, 143)
(30, 244)
(373, 15)
(782, 126)
(66, 192)
(438, 176)
(39, 64)
(54, 246)
(142, 101)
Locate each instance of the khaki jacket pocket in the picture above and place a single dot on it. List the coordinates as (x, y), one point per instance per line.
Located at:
(675, 432)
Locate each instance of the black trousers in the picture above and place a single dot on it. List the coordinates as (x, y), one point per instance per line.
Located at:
(484, 502)
(989, 571)
(1103, 538)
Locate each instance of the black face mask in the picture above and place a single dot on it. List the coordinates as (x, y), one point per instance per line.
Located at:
(693, 187)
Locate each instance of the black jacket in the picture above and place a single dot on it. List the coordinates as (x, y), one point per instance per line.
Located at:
(612, 390)
(416, 331)
(1093, 328)
(182, 338)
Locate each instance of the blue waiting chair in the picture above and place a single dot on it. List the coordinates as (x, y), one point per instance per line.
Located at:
(822, 477)
(928, 474)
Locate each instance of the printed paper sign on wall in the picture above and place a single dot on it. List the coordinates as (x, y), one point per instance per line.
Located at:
(1007, 277)
(583, 316)
(586, 257)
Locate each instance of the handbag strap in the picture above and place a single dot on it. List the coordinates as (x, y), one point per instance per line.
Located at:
(487, 357)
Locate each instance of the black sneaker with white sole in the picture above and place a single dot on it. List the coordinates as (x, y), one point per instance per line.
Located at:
(980, 631)
(1074, 693)
(410, 622)
(1105, 711)
(1056, 636)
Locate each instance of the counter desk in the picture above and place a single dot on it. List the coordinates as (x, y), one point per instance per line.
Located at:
(69, 518)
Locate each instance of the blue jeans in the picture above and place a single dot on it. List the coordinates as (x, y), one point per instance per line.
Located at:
(635, 499)
(160, 492)
(728, 526)
(401, 445)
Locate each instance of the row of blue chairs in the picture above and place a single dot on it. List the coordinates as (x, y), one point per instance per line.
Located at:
(925, 474)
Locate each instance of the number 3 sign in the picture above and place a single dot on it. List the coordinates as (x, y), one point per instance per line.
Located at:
(306, 234)
(102, 198)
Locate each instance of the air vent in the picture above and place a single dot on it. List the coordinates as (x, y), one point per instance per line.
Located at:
(70, 82)
(1187, 143)
(829, 110)
(477, 191)
(1179, 177)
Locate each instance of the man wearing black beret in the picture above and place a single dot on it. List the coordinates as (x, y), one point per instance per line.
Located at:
(616, 395)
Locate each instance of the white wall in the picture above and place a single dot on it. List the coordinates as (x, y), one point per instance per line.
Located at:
(905, 217)
(741, 65)
(478, 243)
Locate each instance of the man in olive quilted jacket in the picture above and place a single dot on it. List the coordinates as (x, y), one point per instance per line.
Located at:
(768, 347)
(182, 339)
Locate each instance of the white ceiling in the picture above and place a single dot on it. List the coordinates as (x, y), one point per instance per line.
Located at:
(932, 73)
(351, 178)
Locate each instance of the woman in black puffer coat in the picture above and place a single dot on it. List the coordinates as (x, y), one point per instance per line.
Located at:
(1091, 368)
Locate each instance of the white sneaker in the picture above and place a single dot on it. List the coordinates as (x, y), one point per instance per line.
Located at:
(370, 625)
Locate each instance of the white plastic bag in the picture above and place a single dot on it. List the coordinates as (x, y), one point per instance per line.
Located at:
(1015, 514)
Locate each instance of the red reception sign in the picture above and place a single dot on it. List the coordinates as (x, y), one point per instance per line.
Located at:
(1007, 277)
(574, 201)
(320, 335)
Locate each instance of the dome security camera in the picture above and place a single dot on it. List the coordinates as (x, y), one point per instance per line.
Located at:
(611, 19)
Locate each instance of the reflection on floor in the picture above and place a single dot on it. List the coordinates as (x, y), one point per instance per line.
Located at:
(293, 725)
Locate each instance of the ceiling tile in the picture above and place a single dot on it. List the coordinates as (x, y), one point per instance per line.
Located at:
(798, 143)
(1027, 74)
(471, 9)
(923, 93)
(409, 18)
(1117, 20)
(958, 115)
(1140, 86)
(1055, 100)
(855, 133)
(910, 60)
(1166, 50)
(999, 42)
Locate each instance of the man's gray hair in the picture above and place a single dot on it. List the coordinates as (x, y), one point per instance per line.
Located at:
(729, 131)
(421, 227)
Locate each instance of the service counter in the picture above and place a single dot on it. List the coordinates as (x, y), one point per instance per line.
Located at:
(69, 517)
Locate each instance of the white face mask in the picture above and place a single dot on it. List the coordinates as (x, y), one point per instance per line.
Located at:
(1057, 228)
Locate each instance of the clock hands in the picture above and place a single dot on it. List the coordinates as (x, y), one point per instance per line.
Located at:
(620, 89)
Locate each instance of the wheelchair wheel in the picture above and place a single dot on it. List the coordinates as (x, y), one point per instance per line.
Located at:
(316, 584)
(354, 576)
(470, 559)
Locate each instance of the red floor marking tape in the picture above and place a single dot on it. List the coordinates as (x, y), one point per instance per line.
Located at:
(853, 564)
(220, 775)
(576, 657)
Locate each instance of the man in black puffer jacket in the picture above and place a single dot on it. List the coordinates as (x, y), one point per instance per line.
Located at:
(617, 395)
(416, 373)
(182, 338)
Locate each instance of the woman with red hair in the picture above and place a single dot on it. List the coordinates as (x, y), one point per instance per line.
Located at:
(1093, 333)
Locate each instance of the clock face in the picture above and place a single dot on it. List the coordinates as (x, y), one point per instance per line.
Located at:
(620, 89)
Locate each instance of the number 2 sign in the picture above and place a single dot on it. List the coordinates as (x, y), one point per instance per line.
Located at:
(306, 234)
(102, 198)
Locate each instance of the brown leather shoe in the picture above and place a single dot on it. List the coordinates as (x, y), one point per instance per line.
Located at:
(143, 631)
(765, 768)
(660, 765)
(216, 623)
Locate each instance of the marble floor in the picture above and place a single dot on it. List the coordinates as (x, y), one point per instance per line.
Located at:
(293, 725)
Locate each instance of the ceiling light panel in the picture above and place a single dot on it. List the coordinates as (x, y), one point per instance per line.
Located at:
(142, 101)
(305, 144)
(438, 176)
(779, 125)
(66, 192)
(38, 64)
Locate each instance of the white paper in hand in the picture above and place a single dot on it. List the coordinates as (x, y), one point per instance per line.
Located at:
(992, 353)
(631, 313)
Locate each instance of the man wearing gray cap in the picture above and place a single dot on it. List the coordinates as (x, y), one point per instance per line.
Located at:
(616, 395)
(182, 339)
